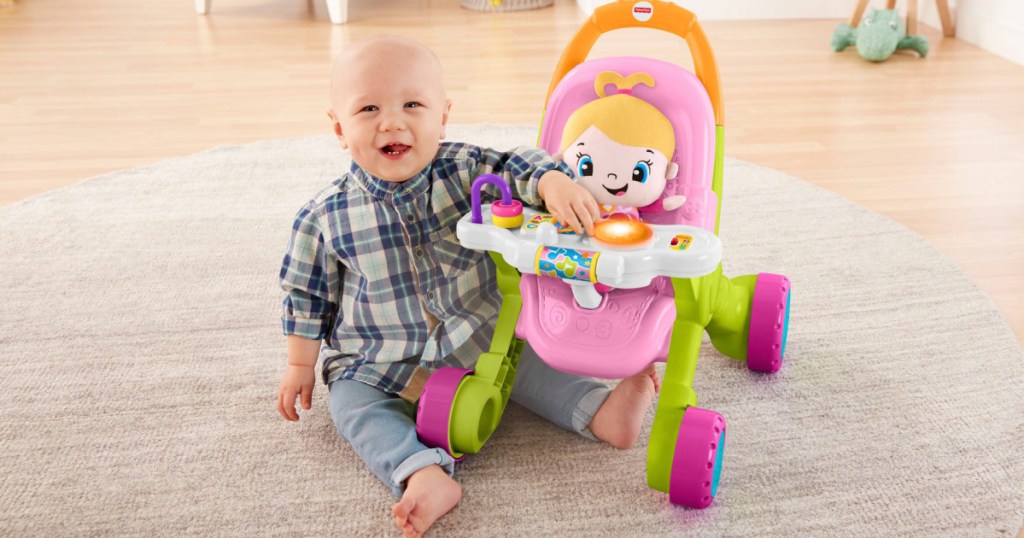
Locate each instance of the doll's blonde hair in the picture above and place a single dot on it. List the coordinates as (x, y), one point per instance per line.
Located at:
(626, 119)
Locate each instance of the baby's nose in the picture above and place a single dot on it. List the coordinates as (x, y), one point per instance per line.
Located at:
(392, 122)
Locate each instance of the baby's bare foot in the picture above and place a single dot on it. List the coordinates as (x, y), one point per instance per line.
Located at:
(429, 494)
(618, 420)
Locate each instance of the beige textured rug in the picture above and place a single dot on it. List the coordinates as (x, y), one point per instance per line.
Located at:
(140, 351)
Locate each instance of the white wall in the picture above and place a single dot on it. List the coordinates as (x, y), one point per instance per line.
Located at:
(994, 25)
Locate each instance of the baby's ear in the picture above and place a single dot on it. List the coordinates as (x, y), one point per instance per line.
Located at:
(673, 169)
(444, 118)
(336, 126)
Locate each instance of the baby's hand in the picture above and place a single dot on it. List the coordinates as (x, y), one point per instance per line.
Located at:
(297, 380)
(569, 202)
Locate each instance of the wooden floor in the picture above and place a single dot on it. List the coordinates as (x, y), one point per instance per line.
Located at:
(91, 86)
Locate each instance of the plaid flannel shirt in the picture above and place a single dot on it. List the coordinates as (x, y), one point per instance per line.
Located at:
(375, 271)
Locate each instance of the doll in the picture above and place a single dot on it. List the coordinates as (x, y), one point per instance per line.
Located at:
(620, 148)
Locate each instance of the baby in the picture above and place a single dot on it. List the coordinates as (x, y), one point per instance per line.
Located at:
(378, 286)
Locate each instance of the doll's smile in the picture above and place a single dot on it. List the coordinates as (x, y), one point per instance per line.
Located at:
(617, 192)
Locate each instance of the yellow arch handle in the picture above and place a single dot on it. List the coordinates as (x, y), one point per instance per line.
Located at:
(665, 16)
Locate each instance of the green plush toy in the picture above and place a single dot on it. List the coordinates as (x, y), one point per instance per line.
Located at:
(879, 35)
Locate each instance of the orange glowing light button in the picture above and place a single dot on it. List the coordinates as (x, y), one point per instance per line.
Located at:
(623, 233)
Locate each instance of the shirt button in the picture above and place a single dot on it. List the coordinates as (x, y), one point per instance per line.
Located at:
(430, 295)
(410, 218)
(418, 252)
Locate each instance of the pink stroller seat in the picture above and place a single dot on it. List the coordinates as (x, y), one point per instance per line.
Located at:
(631, 328)
(627, 331)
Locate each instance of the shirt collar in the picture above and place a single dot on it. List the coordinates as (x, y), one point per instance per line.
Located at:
(397, 193)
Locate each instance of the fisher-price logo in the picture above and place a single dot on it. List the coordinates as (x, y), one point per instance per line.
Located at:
(643, 11)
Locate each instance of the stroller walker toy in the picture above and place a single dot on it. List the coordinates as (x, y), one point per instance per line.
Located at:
(648, 284)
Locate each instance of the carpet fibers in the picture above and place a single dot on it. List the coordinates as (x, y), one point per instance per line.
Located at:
(140, 352)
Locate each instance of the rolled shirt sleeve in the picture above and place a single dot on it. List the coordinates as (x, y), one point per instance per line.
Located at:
(311, 279)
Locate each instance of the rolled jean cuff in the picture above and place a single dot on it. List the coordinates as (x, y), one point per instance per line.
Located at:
(417, 461)
(585, 410)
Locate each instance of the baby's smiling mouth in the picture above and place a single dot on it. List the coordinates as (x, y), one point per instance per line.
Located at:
(394, 151)
(617, 192)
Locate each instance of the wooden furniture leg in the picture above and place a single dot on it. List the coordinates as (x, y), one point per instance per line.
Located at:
(948, 29)
(857, 13)
(338, 10)
(912, 17)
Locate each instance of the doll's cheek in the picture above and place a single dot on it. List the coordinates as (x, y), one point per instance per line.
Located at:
(653, 187)
(651, 191)
(589, 183)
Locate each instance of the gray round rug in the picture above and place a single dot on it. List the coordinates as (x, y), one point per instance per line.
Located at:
(140, 350)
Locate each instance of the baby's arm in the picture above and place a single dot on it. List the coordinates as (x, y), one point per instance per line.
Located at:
(312, 278)
(299, 376)
(569, 202)
(526, 169)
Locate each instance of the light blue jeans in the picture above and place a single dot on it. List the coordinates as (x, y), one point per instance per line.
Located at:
(382, 428)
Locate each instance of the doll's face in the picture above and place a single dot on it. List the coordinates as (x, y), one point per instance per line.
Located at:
(617, 174)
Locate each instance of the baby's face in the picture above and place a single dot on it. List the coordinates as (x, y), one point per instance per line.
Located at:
(390, 110)
(617, 174)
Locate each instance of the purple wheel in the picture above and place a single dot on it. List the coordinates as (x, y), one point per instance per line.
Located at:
(435, 408)
(697, 463)
(769, 323)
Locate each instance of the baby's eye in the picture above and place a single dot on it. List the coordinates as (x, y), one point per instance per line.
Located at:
(641, 171)
(412, 104)
(585, 167)
(369, 108)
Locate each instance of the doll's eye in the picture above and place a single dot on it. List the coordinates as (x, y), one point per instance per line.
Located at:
(585, 167)
(641, 171)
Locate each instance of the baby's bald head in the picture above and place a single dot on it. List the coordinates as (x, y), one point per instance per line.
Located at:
(389, 108)
(384, 56)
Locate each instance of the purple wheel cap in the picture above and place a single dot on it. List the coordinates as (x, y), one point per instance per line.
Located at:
(769, 322)
(434, 409)
(697, 462)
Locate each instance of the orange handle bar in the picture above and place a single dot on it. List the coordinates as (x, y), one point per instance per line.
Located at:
(664, 16)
